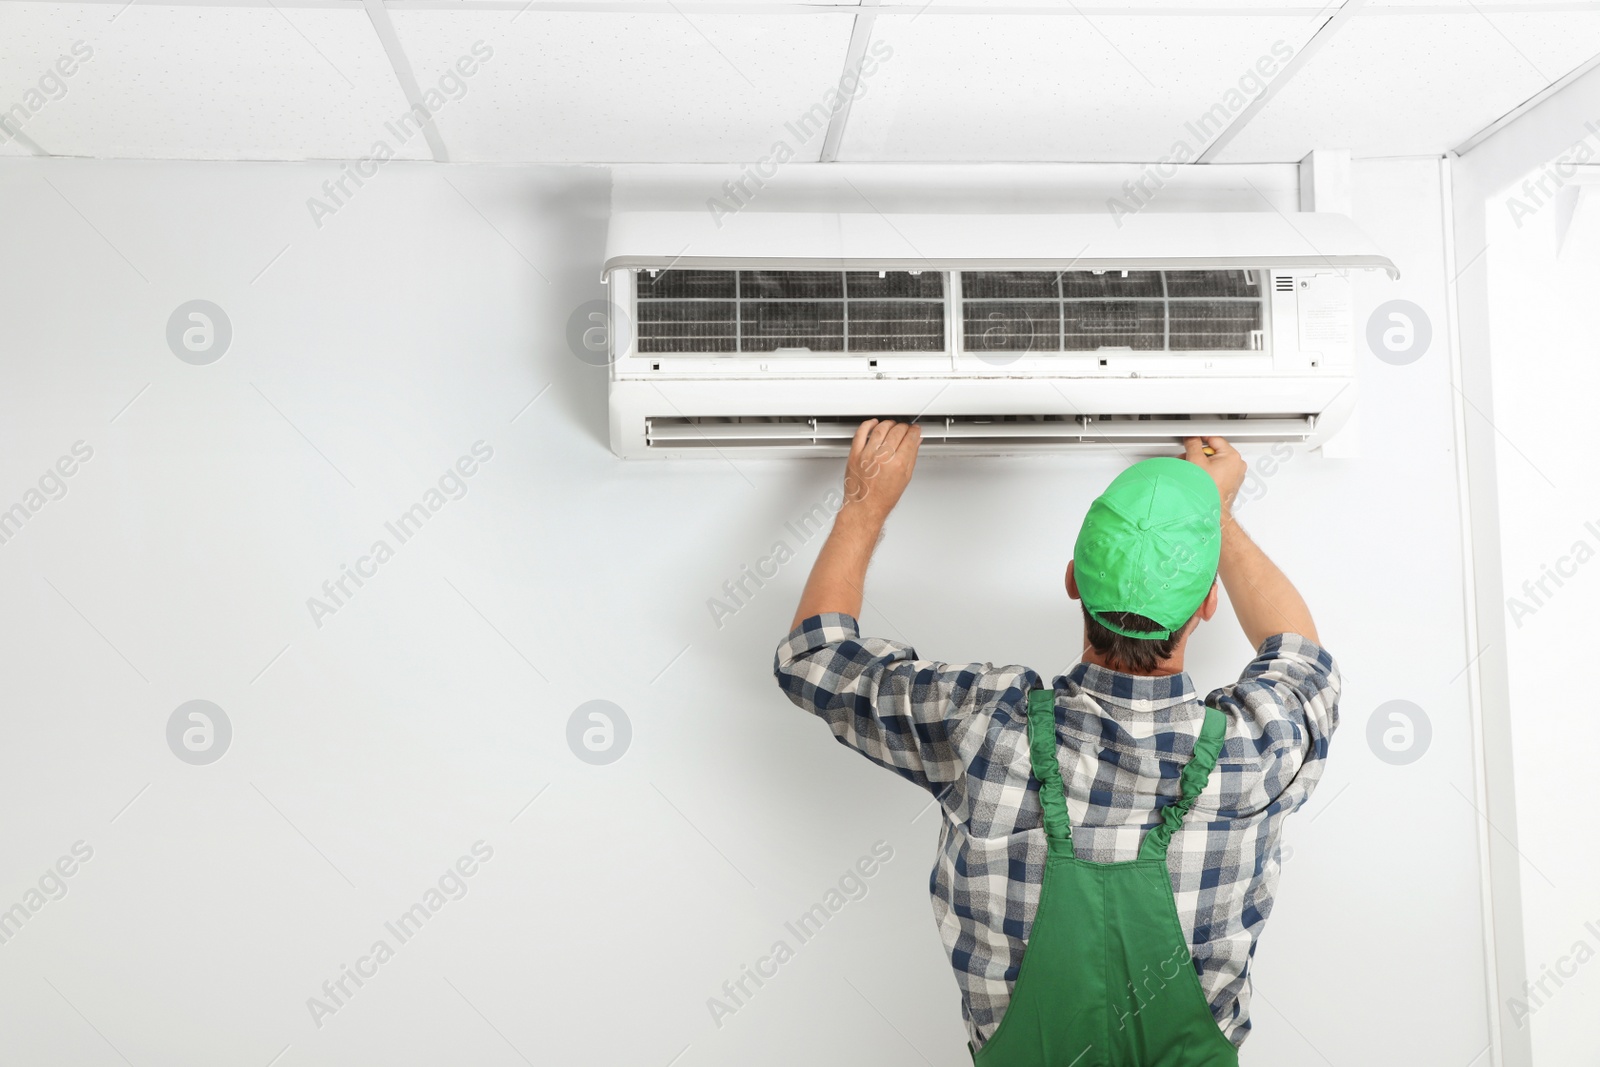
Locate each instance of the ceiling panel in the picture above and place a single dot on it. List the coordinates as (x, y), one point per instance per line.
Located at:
(578, 87)
(183, 82)
(1037, 87)
(504, 9)
(1097, 9)
(1396, 85)
(1482, 7)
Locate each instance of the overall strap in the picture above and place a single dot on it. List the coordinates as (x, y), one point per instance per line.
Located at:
(1193, 778)
(1042, 752)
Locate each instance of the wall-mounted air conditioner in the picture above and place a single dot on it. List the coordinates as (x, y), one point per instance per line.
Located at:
(776, 333)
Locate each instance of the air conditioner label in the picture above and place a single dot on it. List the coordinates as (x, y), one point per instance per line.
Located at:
(1324, 324)
(1324, 314)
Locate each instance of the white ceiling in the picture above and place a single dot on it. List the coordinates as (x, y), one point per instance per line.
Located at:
(579, 87)
(1053, 87)
(174, 82)
(727, 80)
(1425, 83)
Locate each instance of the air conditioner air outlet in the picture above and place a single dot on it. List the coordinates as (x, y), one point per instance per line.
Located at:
(778, 433)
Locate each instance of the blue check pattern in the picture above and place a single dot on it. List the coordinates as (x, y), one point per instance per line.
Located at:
(960, 732)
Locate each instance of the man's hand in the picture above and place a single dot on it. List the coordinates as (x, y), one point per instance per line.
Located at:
(1264, 600)
(1224, 464)
(882, 457)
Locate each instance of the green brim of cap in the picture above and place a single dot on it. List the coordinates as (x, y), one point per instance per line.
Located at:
(1147, 635)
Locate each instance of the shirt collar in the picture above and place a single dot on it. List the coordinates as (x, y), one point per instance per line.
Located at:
(1135, 692)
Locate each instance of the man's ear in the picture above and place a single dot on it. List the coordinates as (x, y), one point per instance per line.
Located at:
(1208, 607)
(1072, 583)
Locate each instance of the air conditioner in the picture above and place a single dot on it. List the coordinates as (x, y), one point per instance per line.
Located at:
(775, 333)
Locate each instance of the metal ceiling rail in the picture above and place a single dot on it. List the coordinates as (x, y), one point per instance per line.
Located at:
(860, 37)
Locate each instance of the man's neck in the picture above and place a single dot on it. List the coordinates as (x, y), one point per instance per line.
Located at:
(1161, 670)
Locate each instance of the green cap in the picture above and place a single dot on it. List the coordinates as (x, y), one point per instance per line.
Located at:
(1150, 545)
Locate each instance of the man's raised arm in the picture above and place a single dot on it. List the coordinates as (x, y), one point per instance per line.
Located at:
(882, 456)
(1263, 598)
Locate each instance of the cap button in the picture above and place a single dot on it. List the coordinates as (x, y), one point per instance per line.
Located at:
(1144, 524)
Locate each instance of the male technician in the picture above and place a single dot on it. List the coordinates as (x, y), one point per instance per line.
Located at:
(1109, 845)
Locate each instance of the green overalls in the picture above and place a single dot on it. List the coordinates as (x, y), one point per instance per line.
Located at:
(1107, 980)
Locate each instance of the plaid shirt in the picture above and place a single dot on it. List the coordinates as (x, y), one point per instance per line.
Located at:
(960, 732)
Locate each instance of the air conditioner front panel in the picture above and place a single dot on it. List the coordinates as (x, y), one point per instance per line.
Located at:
(1147, 240)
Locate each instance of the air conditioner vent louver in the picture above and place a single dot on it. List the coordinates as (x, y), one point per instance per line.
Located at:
(971, 432)
(750, 311)
(1084, 311)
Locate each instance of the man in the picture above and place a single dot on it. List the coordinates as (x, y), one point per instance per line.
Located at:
(1152, 818)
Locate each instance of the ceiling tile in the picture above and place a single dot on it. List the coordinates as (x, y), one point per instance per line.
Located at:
(1487, 7)
(183, 82)
(1048, 87)
(1392, 85)
(502, 11)
(1098, 9)
(578, 87)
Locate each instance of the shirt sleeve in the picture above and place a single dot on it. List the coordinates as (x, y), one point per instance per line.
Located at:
(916, 717)
(1287, 705)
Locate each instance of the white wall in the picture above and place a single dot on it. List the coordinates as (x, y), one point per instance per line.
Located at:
(368, 754)
(1546, 376)
(1523, 346)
